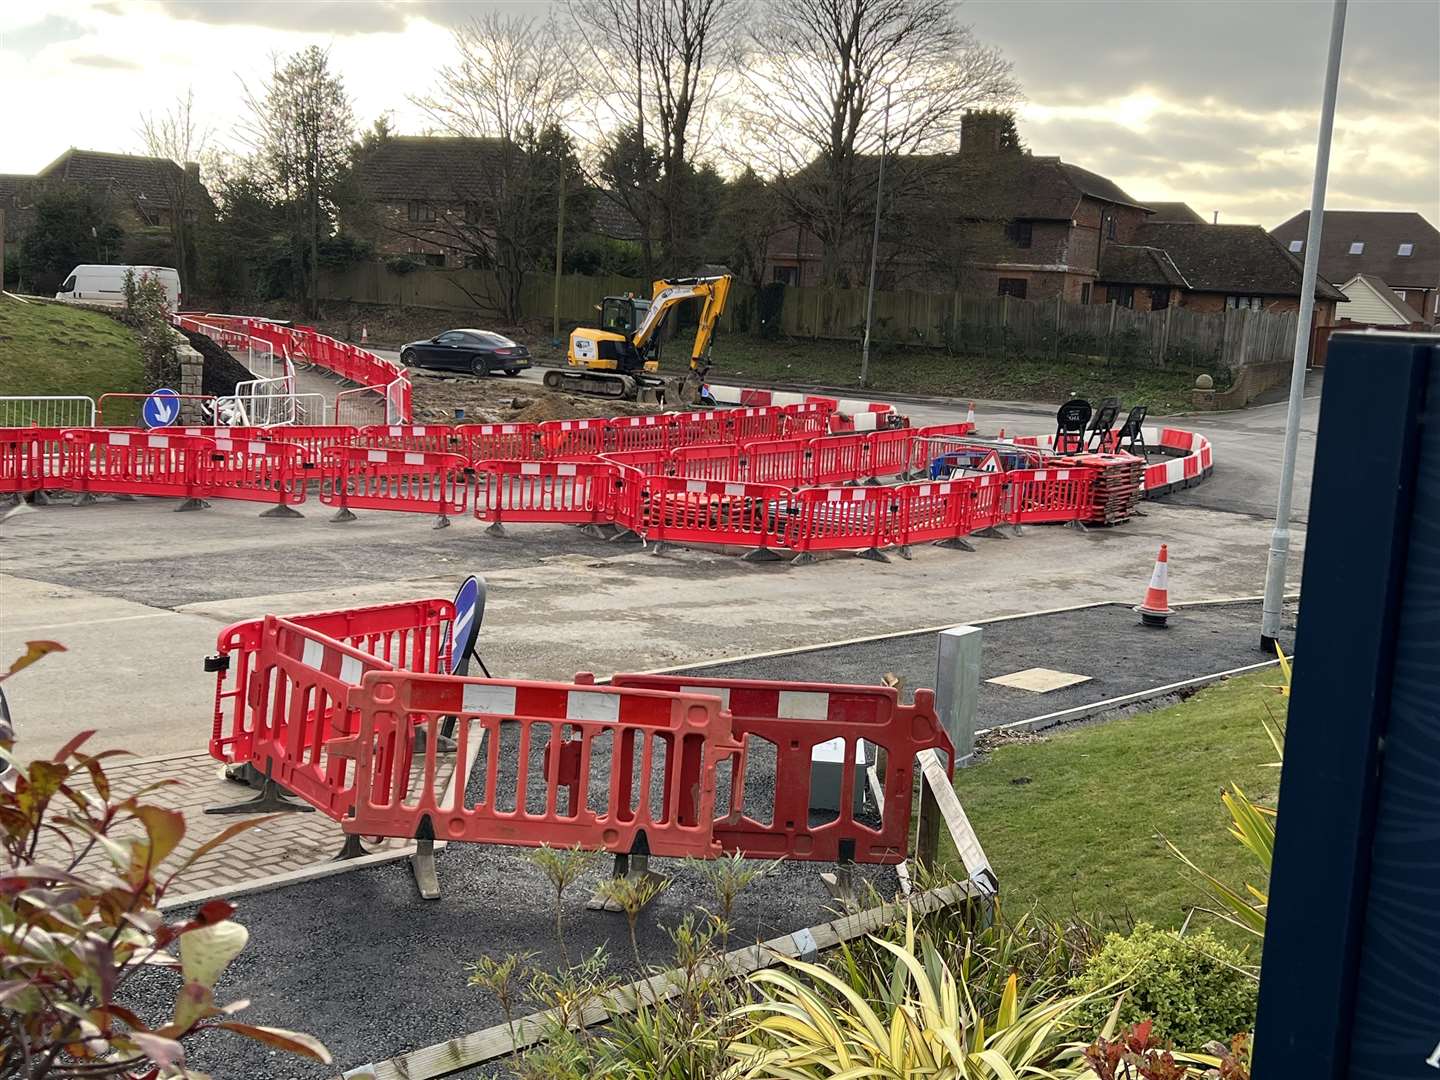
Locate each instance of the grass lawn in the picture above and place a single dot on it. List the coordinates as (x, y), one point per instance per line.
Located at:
(928, 371)
(1074, 822)
(51, 349)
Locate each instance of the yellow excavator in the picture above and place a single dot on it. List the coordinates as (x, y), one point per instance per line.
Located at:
(621, 358)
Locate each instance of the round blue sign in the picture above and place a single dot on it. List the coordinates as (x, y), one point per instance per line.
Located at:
(161, 409)
(465, 628)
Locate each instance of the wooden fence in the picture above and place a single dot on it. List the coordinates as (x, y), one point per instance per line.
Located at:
(962, 324)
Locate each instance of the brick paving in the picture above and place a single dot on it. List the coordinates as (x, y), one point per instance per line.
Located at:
(193, 782)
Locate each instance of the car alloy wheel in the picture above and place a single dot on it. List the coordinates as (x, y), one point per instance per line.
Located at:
(478, 366)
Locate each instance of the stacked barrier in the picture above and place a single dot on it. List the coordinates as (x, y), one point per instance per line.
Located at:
(350, 711)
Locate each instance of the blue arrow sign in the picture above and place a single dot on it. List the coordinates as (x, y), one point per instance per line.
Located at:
(161, 409)
(465, 628)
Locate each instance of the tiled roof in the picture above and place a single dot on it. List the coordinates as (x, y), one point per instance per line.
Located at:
(1132, 264)
(1382, 232)
(1174, 213)
(130, 174)
(1038, 188)
(434, 168)
(1233, 259)
(610, 218)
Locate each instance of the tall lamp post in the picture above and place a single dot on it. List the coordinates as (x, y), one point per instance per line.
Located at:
(875, 245)
(1280, 537)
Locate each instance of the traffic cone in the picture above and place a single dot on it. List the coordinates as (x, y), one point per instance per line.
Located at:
(364, 334)
(1156, 607)
(970, 415)
(1000, 437)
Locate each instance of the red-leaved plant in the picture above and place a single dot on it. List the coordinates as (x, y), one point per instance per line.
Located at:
(72, 937)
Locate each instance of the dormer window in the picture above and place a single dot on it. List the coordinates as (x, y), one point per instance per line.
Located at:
(1357, 248)
(1297, 246)
(1406, 250)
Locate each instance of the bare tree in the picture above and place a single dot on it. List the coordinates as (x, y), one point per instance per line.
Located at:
(659, 68)
(174, 136)
(510, 89)
(817, 81)
(301, 128)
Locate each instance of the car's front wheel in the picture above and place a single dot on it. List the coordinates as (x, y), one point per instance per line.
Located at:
(479, 367)
(408, 357)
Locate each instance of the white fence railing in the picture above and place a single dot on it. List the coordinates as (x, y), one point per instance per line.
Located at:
(362, 406)
(74, 411)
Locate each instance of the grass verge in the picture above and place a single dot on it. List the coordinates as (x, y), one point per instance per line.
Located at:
(1074, 822)
(52, 349)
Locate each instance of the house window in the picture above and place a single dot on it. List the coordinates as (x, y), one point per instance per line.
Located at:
(1406, 250)
(1122, 295)
(421, 211)
(1159, 299)
(1110, 227)
(786, 275)
(1084, 292)
(434, 258)
(1252, 303)
(1357, 248)
(1297, 246)
(1019, 233)
(1013, 286)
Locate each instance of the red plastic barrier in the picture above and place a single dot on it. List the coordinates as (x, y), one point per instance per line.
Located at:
(31, 459)
(572, 438)
(778, 461)
(714, 512)
(848, 518)
(646, 462)
(889, 452)
(654, 432)
(500, 442)
(696, 428)
(428, 438)
(794, 718)
(560, 764)
(765, 422)
(1049, 495)
(936, 511)
(839, 458)
(412, 636)
(811, 418)
(254, 470)
(708, 461)
(367, 479)
(568, 492)
(133, 463)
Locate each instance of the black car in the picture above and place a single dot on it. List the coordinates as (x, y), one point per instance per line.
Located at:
(479, 352)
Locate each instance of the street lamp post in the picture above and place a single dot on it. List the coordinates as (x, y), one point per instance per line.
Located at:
(875, 245)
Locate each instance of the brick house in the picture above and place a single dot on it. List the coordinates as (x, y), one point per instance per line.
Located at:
(1400, 248)
(1206, 268)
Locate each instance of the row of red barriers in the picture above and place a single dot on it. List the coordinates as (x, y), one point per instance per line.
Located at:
(330, 705)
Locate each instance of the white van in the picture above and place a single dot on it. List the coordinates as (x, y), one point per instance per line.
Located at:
(106, 284)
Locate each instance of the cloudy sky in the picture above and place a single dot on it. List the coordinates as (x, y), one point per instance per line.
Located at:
(1214, 103)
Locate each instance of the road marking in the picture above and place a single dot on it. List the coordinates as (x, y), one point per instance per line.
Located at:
(87, 622)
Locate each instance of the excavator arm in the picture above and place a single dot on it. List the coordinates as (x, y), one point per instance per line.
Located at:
(714, 290)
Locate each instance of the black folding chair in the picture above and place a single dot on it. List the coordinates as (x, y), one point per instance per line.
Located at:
(1070, 421)
(1133, 431)
(1101, 425)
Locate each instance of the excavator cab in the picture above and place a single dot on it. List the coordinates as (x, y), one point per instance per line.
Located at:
(622, 314)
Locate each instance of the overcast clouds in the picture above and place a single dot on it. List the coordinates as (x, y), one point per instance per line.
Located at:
(1213, 103)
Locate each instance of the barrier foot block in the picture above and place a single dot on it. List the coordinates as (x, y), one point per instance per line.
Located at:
(1018, 530)
(804, 558)
(120, 496)
(269, 801)
(595, 532)
(86, 498)
(874, 554)
(245, 773)
(343, 514)
(39, 498)
(626, 536)
(422, 864)
(659, 547)
(990, 532)
(351, 849)
(495, 529)
(1078, 526)
(281, 511)
(191, 504)
(442, 522)
(903, 551)
(444, 744)
(958, 543)
(760, 555)
(841, 884)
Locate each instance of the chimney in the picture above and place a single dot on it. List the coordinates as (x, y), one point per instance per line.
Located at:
(989, 131)
(192, 171)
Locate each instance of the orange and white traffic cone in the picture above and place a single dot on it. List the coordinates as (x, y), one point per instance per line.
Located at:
(1156, 607)
(970, 415)
(364, 334)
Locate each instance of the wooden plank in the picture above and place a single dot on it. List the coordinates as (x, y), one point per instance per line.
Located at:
(478, 1047)
(967, 843)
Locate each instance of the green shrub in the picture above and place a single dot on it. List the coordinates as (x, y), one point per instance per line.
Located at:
(1192, 987)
